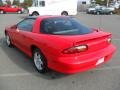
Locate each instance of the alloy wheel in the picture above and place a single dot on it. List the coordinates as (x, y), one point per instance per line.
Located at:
(38, 60)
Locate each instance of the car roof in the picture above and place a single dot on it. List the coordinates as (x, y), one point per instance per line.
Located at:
(44, 17)
(30, 17)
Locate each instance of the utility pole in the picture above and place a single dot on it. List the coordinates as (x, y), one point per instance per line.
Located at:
(108, 3)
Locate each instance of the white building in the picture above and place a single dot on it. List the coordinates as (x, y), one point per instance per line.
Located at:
(84, 2)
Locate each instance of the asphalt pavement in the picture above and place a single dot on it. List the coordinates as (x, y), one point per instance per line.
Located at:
(17, 71)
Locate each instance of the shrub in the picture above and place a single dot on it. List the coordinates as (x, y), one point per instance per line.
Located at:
(118, 11)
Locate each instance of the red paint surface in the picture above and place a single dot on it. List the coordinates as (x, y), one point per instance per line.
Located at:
(52, 46)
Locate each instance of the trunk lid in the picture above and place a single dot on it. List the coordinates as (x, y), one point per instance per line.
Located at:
(95, 41)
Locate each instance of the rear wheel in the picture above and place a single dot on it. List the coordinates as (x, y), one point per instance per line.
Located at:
(8, 41)
(1, 12)
(35, 14)
(19, 12)
(39, 61)
(65, 13)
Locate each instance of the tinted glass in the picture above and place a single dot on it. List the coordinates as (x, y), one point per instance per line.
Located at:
(84, 2)
(26, 25)
(42, 3)
(63, 26)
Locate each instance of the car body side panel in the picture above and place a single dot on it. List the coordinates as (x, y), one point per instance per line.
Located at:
(52, 47)
(10, 9)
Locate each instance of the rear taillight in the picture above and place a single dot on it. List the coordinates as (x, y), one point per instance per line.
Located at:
(75, 49)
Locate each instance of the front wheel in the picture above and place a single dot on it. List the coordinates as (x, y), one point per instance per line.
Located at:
(98, 13)
(39, 61)
(35, 14)
(64, 13)
(19, 12)
(111, 13)
(8, 41)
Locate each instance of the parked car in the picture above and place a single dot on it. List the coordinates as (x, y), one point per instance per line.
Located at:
(92, 8)
(7, 8)
(60, 43)
(115, 5)
(104, 10)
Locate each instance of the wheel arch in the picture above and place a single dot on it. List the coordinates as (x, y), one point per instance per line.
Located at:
(36, 12)
(5, 32)
(33, 47)
(3, 10)
(64, 11)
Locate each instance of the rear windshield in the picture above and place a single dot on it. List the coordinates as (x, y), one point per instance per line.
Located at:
(63, 26)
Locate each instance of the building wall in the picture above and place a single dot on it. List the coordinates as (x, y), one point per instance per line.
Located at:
(83, 1)
(82, 6)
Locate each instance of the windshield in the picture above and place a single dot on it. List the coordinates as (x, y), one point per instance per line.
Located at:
(63, 26)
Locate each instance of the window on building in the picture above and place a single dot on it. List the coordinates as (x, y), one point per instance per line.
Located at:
(84, 2)
(36, 3)
(42, 3)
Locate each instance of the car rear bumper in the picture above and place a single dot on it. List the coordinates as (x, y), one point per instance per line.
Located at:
(76, 64)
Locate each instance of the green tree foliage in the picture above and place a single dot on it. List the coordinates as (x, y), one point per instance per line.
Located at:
(26, 3)
(1, 3)
(102, 2)
(16, 2)
(8, 2)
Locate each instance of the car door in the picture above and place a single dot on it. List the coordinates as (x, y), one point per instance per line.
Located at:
(13, 9)
(8, 9)
(104, 9)
(24, 34)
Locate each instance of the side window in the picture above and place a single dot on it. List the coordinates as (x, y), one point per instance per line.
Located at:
(47, 27)
(42, 3)
(26, 25)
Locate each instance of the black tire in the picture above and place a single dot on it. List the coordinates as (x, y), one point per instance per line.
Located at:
(39, 58)
(87, 13)
(2, 12)
(98, 13)
(8, 41)
(19, 12)
(65, 13)
(35, 14)
(111, 13)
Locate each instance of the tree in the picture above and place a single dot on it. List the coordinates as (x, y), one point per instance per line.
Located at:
(1, 3)
(8, 2)
(16, 2)
(102, 2)
(27, 3)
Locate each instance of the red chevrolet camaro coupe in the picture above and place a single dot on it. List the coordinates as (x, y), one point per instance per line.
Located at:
(60, 43)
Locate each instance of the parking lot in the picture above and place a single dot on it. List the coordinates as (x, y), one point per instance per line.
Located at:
(17, 71)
